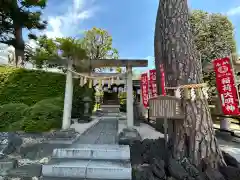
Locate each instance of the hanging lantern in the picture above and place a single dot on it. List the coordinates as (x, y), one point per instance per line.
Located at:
(100, 84)
(112, 82)
(81, 81)
(114, 89)
(139, 91)
(120, 89)
(90, 83)
(109, 83)
(105, 89)
(85, 80)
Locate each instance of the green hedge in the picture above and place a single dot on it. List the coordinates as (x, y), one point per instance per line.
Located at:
(42, 117)
(43, 92)
(11, 113)
(29, 86)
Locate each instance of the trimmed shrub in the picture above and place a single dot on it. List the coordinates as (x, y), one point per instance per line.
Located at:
(16, 126)
(44, 91)
(58, 101)
(42, 117)
(29, 86)
(11, 113)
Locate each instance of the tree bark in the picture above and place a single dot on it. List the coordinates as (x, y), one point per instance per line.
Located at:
(19, 42)
(193, 137)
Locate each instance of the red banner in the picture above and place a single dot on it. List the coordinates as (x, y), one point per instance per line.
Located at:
(225, 86)
(152, 83)
(144, 88)
(162, 80)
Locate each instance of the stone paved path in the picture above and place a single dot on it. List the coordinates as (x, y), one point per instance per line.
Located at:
(103, 132)
(95, 155)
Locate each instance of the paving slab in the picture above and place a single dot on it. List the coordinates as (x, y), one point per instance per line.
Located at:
(6, 165)
(108, 170)
(98, 144)
(26, 171)
(73, 169)
(103, 132)
(94, 152)
(89, 170)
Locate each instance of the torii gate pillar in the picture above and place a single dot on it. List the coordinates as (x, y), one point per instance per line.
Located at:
(67, 111)
(130, 116)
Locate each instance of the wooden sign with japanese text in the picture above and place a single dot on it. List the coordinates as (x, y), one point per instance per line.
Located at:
(225, 86)
(165, 107)
(144, 89)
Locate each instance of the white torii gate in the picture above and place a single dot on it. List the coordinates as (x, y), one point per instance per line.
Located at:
(129, 64)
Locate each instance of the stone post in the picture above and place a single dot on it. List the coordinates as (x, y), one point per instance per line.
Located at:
(129, 97)
(68, 97)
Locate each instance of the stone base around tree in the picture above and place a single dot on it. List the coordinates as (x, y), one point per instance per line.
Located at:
(151, 161)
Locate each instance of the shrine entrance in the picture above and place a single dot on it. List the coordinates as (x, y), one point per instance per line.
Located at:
(110, 96)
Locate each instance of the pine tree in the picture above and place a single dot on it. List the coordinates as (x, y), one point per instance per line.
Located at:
(17, 15)
(193, 137)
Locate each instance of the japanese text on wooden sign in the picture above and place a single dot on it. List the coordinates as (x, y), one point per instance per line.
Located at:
(144, 88)
(152, 83)
(225, 86)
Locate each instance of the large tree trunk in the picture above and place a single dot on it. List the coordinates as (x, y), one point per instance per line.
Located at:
(193, 138)
(19, 42)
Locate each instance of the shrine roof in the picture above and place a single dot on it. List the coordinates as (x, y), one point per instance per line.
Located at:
(85, 64)
(119, 63)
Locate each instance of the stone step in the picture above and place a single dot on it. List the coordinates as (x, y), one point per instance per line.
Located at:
(110, 116)
(104, 170)
(94, 152)
(111, 111)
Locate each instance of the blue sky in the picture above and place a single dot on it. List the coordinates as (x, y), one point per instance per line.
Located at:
(130, 22)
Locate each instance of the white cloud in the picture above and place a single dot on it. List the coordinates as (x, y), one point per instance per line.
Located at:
(67, 24)
(32, 43)
(234, 11)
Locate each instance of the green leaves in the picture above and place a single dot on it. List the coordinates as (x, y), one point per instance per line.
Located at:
(17, 15)
(71, 47)
(98, 44)
(32, 3)
(213, 35)
(214, 38)
(51, 51)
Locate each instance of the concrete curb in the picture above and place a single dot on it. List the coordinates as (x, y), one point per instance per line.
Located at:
(75, 138)
(227, 135)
